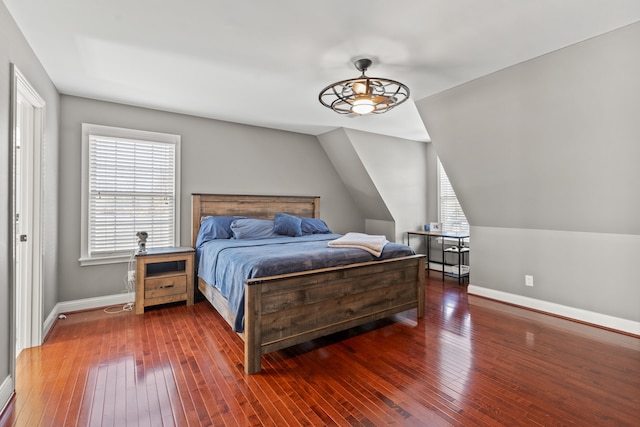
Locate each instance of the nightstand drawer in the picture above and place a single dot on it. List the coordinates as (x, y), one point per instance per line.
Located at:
(163, 286)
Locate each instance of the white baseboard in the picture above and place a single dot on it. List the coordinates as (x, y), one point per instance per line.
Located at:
(604, 320)
(84, 304)
(6, 391)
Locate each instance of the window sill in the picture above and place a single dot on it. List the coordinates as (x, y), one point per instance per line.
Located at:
(116, 259)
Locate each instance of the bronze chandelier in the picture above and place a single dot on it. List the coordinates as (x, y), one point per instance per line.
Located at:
(364, 95)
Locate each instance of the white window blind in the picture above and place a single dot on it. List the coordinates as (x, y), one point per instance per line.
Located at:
(131, 185)
(451, 215)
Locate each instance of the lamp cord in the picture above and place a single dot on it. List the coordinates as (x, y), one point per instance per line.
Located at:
(129, 283)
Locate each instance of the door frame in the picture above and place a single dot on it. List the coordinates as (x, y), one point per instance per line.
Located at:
(31, 332)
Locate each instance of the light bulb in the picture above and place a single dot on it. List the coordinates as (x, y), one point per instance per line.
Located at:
(363, 105)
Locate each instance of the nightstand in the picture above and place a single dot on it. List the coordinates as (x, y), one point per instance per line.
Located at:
(164, 275)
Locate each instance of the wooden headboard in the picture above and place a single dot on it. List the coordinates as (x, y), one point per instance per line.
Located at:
(264, 207)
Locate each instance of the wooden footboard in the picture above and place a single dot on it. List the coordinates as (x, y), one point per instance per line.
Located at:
(285, 310)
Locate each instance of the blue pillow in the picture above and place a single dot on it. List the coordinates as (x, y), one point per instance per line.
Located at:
(215, 227)
(251, 228)
(287, 225)
(314, 226)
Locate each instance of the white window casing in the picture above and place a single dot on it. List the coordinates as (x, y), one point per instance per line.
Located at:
(130, 183)
(450, 212)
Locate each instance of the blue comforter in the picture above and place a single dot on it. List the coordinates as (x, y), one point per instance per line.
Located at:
(227, 263)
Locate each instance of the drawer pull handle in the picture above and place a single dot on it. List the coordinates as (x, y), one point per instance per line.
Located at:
(166, 286)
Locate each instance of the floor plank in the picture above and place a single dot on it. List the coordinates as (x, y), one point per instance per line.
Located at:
(470, 361)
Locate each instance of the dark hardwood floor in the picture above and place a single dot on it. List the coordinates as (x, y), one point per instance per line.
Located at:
(469, 362)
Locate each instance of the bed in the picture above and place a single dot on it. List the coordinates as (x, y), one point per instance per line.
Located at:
(288, 309)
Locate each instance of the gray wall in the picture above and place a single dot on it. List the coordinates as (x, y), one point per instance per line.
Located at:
(398, 168)
(342, 153)
(544, 159)
(386, 177)
(15, 49)
(217, 157)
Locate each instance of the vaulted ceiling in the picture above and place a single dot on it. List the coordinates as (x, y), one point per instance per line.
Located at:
(264, 63)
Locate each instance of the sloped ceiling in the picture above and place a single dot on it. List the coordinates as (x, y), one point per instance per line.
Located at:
(385, 176)
(344, 157)
(548, 144)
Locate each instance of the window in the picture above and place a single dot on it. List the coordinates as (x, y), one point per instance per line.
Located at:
(450, 212)
(130, 183)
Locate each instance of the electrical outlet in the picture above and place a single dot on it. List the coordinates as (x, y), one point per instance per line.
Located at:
(131, 276)
(528, 280)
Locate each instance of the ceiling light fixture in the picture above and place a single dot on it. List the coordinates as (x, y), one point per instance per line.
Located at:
(363, 95)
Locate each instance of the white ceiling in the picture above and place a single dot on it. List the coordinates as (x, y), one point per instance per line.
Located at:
(264, 62)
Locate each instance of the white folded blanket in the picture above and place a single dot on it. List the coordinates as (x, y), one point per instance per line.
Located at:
(368, 242)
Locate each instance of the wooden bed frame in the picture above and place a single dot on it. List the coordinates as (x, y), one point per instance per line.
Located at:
(289, 309)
